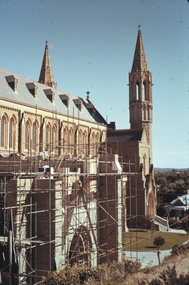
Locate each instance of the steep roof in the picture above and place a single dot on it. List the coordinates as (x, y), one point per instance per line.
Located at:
(124, 135)
(46, 75)
(34, 94)
(184, 199)
(139, 61)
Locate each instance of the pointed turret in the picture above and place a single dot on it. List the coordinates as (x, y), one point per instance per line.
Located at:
(139, 61)
(46, 74)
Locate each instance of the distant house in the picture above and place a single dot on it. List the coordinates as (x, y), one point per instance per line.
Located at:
(179, 206)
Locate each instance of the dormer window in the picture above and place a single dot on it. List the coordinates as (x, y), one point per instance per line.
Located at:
(65, 99)
(32, 88)
(12, 82)
(50, 94)
(78, 103)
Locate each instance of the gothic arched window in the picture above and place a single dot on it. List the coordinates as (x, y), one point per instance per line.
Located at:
(85, 145)
(137, 97)
(65, 140)
(54, 137)
(80, 142)
(27, 134)
(80, 247)
(92, 146)
(71, 141)
(12, 133)
(35, 134)
(4, 129)
(48, 136)
(144, 89)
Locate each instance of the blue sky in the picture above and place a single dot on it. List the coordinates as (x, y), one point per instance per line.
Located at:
(92, 46)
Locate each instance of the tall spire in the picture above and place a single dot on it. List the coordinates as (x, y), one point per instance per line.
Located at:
(139, 61)
(46, 74)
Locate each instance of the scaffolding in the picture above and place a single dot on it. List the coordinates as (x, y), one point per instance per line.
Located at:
(63, 210)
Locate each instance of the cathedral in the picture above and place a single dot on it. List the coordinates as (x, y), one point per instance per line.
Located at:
(70, 183)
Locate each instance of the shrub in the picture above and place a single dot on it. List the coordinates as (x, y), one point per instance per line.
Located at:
(113, 273)
(175, 224)
(179, 249)
(175, 249)
(169, 277)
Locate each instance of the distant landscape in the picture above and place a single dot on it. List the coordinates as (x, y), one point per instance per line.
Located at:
(159, 169)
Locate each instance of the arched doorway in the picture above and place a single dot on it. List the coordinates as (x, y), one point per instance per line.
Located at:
(80, 247)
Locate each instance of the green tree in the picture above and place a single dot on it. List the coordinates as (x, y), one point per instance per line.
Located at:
(158, 241)
(163, 210)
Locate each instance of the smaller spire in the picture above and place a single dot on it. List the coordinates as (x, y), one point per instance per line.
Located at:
(139, 61)
(46, 74)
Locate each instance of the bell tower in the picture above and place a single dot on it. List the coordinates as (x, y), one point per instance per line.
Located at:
(140, 91)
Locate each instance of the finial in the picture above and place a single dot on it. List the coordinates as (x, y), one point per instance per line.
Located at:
(139, 27)
(87, 94)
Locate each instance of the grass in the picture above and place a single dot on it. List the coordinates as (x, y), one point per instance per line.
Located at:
(142, 240)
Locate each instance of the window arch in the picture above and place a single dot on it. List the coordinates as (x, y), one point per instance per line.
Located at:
(12, 133)
(27, 134)
(4, 129)
(80, 142)
(80, 247)
(65, 140)
(48, 135)
(54, 137)
(144, 91)
(137, 93)
(71, 141)
(35, 135)
(85, 146)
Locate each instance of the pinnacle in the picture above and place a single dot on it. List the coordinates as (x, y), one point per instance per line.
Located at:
(139, 61)
(46, 74)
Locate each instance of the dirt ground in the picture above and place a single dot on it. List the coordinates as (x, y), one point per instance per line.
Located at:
(180, 261)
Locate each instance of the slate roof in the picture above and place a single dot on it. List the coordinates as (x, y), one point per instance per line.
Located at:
(23, 96)
(124, 135)
(139, 61)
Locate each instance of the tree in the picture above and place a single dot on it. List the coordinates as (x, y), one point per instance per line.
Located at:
(158, 241)
(163, 210)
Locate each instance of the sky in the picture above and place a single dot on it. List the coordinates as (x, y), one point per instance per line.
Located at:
(92, 43)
